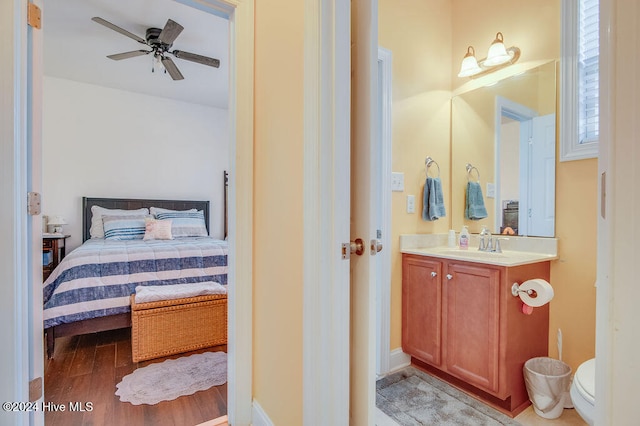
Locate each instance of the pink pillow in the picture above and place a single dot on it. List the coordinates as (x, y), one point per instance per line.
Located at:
(157, 229)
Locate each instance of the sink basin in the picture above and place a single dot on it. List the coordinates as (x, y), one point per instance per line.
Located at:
(474, 253)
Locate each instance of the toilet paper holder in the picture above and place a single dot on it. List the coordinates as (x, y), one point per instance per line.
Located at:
(515, 291)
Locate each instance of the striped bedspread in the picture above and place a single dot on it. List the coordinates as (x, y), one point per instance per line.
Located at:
(97, 278)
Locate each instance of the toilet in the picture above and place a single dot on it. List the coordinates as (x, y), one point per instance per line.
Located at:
(583, 390)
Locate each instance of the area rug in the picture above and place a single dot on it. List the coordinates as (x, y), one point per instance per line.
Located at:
(173, 378)
(412, 398)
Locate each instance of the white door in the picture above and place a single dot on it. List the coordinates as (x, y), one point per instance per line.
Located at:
(326, 251)
(542, 172)
(339, 340)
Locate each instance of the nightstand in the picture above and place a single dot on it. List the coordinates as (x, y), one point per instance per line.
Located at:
(53, 251)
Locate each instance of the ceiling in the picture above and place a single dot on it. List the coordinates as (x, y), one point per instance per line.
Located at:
(75, 47)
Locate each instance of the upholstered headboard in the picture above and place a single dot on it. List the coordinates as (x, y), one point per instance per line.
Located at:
(135, 203)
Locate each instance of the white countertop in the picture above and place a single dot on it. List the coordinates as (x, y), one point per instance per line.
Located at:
(515, 250)
(506, 258)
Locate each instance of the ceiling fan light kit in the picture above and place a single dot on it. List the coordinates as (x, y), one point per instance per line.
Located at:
(160, 42)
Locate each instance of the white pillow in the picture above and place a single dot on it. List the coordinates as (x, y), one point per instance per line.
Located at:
(156, 210)
(97, 227)
(157, 229)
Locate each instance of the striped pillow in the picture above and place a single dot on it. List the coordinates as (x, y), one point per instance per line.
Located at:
(124, 227)
(185, 223)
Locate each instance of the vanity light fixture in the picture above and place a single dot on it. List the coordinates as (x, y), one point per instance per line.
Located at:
(469, 65)
(497, 57)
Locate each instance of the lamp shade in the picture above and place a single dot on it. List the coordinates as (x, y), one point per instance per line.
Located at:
(56, 220)
(469, 65)
(497, 53)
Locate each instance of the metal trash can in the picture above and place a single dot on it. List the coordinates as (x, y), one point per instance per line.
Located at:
(547, 381)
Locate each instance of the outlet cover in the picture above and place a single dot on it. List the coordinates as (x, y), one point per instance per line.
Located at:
(491, 190)
(397, 181)
(411, 203)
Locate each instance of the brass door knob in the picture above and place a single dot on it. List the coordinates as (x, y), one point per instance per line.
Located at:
(357, 246)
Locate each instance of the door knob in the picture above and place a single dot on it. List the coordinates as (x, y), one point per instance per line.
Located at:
(376, 246)
(434, 274)
(357, 246)
(449, 276)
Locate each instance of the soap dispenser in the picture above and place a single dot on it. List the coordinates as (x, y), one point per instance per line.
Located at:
(464, 238)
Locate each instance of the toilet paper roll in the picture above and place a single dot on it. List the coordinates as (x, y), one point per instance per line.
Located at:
(536, 292)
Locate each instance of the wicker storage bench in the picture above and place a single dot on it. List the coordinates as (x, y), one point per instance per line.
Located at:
(169, 327)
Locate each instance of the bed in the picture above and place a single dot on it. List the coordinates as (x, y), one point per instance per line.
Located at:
(90, 289)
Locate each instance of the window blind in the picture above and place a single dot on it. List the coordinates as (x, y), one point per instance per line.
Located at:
(588, 85)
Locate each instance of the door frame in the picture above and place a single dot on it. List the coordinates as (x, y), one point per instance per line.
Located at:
(383, 281)
(520, 113)
(15, 226)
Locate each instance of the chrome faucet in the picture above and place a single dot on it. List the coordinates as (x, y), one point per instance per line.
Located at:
(486, 242)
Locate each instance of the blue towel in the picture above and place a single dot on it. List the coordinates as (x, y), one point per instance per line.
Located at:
(474, 208)
(433, 200)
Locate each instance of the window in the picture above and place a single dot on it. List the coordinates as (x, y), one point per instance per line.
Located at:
(579, 80)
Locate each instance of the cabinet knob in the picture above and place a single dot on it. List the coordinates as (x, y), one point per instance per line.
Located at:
(434, 274)
(449, 276)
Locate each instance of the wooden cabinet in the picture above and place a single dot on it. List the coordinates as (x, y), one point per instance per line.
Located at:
(422, 308)
(471, 299)
(53, 251)
(461, 323)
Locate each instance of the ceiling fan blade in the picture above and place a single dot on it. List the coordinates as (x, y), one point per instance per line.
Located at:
(118, 29)
(170, 32)
(193, 57)
(126, 55)
(172, 69)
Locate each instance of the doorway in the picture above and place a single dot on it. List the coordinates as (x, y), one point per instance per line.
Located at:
(240, 15)
(525, 159)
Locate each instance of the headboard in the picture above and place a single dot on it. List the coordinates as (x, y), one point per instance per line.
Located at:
(136, 203)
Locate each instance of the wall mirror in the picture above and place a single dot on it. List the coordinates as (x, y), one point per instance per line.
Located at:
(507, 131)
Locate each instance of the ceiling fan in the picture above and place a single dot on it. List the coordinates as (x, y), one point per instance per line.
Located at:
(160, 42)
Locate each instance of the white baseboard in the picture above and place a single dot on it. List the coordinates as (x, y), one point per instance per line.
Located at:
(259, 417)
(398, 360)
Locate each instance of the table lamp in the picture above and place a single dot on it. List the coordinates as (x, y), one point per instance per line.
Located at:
(55, 224)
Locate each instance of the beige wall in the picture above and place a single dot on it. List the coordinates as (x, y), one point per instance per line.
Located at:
(419, 37)
(422, 85)
(277, 321)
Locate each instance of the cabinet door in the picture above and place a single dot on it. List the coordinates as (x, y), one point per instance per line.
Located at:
(422, 308)
(471, 317)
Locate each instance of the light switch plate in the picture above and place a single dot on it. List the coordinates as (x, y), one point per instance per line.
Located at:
(397, 181)
(411, 203)
(491, 190)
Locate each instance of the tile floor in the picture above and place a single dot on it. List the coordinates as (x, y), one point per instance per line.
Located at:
(527, 418)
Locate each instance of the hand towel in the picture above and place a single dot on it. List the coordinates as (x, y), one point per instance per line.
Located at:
(433, 200)
(154, 293)
(474, 208)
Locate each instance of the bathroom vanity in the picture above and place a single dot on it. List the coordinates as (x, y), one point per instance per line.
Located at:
(461, 322)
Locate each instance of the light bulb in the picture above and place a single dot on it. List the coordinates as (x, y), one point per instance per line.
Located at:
(156, 64)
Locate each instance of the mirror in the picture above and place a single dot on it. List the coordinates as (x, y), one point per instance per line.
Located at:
(507, 132)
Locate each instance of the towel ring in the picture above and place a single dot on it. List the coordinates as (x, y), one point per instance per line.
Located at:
(470, 168)
(428, 162)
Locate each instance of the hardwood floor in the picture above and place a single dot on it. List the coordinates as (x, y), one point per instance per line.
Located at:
(85, 369)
